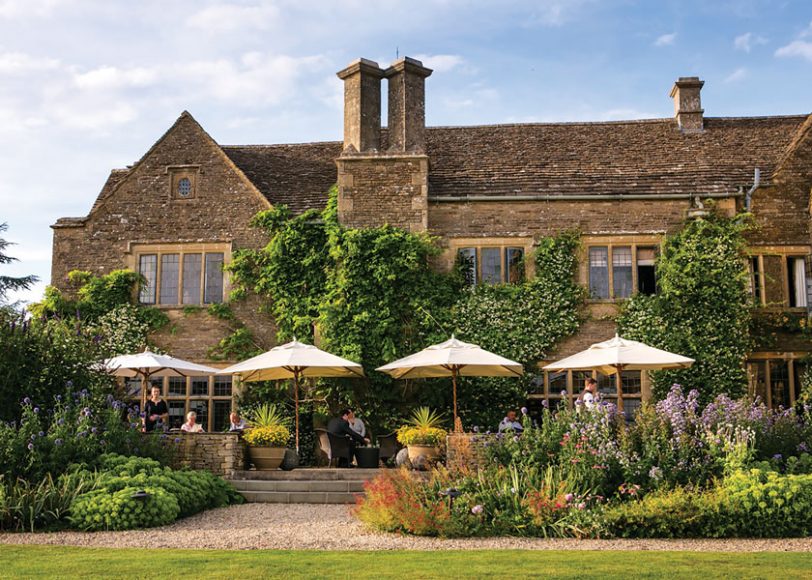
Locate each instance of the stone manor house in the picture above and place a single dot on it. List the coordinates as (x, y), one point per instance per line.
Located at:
(488, 192)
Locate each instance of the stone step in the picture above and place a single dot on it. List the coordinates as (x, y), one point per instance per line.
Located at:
(301, 486)
(299, 497)
(309, 474)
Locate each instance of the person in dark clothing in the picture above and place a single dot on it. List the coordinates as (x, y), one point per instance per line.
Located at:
(155, 410)
(341, 426)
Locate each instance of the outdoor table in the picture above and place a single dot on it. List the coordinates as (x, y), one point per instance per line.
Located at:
(367, 457)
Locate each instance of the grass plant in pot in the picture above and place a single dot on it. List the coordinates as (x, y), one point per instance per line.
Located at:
(267, 437)
(423, 435)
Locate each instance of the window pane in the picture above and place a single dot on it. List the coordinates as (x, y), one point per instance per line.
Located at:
(607, 386)
(773, 279)
(214, 279)
(467, 260)
(758, 380)
(779, 383)
(148, 268)
(579, 381)
(177, 414)
(622, 272)
(514, 262)
(169, 278)
(202, 410)
(133, 388)
(646, 280)
(177, 386)
(755, 280)
(191, 278)
(631, 407)
(222, 409)
(200, 386)
(557, 382)
(631, 382)
(491, 266)
(796, 270)
(222, 386)
(599, 272)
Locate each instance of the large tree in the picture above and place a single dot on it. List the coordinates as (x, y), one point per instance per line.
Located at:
(10, 283)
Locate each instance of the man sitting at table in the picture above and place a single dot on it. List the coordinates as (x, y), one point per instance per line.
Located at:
(510, 423)
(341, 426)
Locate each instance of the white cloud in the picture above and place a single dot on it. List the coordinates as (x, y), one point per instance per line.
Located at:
(747, 41)
(666, 39)
(223, 18)
(556, 12)
(110, 77)
(440, 62)
(22, 8)
(799, 48)
(20, 63)
(737, 75)
(94, 116)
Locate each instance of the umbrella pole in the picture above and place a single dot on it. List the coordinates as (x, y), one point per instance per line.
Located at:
(454, 372)
(619, 385)
(296, 403)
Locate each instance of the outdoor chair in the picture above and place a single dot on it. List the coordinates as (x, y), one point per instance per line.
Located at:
(334, 446)
(389, 446)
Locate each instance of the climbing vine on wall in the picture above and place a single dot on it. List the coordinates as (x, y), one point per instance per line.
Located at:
(374, 296)
(702, 307)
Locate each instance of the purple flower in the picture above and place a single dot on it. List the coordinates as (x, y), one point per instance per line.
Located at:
(93, 430)
(177, 439)
(569, 497)
(41, 434)
(36, 409)
(778, 457)
(60, 421)
(59, 397)
(69, 383)
(477, 509)
(30, 446)
(26, 401)
(563, 393)
(524, 410)
(802, 447)
(58, 442)
(545, 403)
(86, 411)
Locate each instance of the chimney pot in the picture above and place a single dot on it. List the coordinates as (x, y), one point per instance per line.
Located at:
(407, 105)
(688, 104)
(362, 106)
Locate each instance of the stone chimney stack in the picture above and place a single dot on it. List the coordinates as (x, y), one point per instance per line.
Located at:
(362, 106)
(407, 105)
(688, 104)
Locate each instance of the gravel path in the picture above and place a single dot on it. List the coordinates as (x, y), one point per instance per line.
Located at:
(331, 527)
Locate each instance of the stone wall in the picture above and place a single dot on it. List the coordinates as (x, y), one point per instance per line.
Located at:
(220, 453)
(467, 450)
(383, 189)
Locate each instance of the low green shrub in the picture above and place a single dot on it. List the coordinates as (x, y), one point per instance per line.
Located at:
(121, 510)
(28, 506)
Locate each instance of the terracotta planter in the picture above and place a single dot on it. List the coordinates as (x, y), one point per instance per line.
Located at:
(266, 458)
(429, 452)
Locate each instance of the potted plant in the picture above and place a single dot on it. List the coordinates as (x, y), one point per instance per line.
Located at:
(267, 437)
(423, 435)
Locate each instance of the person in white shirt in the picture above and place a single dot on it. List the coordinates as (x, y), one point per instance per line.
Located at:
(356, 424)
(191, 425)
(510, 423)
(588, 397)
(236, 423)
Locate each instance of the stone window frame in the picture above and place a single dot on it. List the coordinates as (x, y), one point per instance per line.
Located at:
(524, 243)
(635, 242)
(137, 249)
(606, 386)
(210, 397)
(756, 255)
(179, 172)
(793, 360)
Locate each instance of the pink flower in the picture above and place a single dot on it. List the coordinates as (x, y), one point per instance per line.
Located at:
(477, 509)
(569, 497)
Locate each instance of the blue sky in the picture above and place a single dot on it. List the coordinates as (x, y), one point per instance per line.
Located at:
(86, 86)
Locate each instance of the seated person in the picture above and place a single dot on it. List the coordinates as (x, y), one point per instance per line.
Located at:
(510, 423)
(356, 424)
(341, 426)
(191, 425)
(236, 423)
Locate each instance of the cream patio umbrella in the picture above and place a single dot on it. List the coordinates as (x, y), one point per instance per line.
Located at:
(452, 358)
(148, 364)
(613, 356)
(294, 360)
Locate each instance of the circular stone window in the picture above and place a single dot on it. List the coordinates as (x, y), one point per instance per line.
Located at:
(184, 187)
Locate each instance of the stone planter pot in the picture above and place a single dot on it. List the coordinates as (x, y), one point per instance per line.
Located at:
(423, 453)
(266, 458)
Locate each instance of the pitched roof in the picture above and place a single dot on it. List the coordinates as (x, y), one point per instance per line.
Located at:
(298, 176)
(629, 157)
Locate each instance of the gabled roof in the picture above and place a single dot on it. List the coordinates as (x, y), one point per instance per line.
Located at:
(298, 176)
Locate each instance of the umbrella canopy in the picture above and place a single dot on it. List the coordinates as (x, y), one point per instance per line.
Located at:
(617, 354)
(150, 364)
(453, 358)
(293, 361)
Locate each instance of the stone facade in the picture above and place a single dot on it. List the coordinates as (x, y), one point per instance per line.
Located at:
(221, 453)
(625, 182)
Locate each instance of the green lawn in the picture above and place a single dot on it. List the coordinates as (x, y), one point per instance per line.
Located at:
(68, 562)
